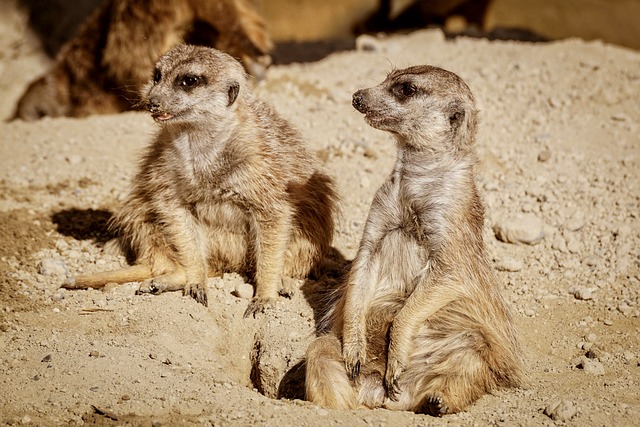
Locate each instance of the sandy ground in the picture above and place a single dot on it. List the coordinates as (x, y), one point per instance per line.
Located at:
(559, 143)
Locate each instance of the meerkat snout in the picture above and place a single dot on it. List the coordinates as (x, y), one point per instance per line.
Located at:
(153, 105)
(357, 101)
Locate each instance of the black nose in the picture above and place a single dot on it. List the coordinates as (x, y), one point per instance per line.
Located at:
(357, 101)
(153, 105)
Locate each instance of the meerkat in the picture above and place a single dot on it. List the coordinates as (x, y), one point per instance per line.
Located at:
(227, 185)
(104, 66)
(419, 324)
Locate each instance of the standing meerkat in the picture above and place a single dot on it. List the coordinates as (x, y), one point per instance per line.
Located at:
(105, 65)
(227, 185)
(419, 324)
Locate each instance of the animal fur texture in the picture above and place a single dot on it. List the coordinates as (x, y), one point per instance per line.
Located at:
(227, 185)
(419, 324)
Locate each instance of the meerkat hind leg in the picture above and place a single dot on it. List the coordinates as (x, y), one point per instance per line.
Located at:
(443, 380)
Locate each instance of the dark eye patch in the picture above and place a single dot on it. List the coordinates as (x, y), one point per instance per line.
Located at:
(190, 81)
(157, 75)
(404, 90)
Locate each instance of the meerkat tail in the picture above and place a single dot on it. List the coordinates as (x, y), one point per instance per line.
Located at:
(134, 273)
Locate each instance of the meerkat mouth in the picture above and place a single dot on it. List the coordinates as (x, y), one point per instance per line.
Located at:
(162, 117)
(375, 119)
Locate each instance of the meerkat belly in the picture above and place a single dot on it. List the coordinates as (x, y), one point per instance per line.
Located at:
(227, 235)
(397, 262)
(399, 259)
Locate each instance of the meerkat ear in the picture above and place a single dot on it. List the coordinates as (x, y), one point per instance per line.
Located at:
(234, 89)
(456, 118)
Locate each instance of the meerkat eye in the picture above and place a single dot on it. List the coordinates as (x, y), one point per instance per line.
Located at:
(189, 81)
(405, 90)
(156, 76)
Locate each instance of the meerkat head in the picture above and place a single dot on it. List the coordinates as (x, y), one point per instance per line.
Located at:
(427, 107)
(194, 83)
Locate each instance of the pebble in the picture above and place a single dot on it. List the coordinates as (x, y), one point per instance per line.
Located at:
(625, 309)
(367, 43)
(592, 367)
(562, 410)
(582, 293)
(52, 267)
(593, 261)
(573, 245)
(559, 244)
(544, 156)
(522, 228)
(243, 290)
(509, 264)
(575, 222)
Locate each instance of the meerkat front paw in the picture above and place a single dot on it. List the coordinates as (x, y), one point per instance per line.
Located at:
(259, 305)
(435, 405)
(198, 291)
(394, 370)
(354, 358)
(288, 287)
(149, 287)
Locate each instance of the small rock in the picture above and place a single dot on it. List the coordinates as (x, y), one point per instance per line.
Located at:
(593, 261)
(367, 43)
(544, 156)
(575, 222)
(522, 228)
(25, 420)
(562, 410)
(607, 322)
(582, 293)
(52, 267)
(559, 244)
(620, 117)
(243, 290)
(58, 296)
(573, 245)
(509, 264)
(629, 357)
(625, 309)
(592, 367)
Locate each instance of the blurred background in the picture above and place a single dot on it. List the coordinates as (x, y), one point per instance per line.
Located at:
(296, 24)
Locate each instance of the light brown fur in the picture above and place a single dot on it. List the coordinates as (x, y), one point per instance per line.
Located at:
(103, 67)
(419, 324)
(227, 185)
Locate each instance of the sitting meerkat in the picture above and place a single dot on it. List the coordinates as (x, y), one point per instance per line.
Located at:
(227, 185)
(104, 66)
(419, 324)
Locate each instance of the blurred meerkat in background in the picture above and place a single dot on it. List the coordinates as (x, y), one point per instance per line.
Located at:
(102, 69)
